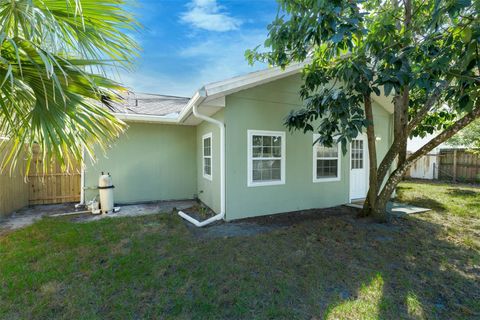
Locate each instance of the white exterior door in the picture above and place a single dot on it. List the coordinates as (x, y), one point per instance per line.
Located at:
(358, 168)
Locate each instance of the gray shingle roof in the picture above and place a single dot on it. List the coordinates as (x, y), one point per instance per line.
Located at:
(150, 104)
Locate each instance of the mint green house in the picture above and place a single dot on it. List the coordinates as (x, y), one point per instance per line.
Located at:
(227, 146)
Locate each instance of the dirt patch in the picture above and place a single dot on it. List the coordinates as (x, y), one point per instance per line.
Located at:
(294, 217)
(199, 211)
(265, 224)
(230, 229)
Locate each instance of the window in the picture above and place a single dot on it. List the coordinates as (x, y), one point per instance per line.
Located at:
(357, 154)
(207, 156)
(266, 158)
(326, 162)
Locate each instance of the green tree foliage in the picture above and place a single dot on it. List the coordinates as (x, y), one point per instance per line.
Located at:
(468, 137)
(422, 55)
(53, 57)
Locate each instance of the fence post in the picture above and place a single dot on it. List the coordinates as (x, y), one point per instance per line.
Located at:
(454, 165)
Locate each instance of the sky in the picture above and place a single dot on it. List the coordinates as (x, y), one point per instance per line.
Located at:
(186, 44)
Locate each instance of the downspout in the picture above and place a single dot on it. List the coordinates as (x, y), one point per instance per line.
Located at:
(221, 126)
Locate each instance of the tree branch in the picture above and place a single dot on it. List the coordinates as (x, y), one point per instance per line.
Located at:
(447, 134)
(394, 148)
(372, 153)
(397, 175)
(434, 97)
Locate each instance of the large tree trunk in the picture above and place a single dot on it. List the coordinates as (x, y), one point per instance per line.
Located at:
(394, 149)
(399, 147)
(397, 175)
(401, 123)
(370, 201)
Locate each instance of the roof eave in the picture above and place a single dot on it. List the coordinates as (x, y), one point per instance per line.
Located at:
(223, 88)
(145, 118)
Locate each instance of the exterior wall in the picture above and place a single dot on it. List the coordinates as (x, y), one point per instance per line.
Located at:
(264, 108)
(209, 191)
(149, 162)
(383, 124)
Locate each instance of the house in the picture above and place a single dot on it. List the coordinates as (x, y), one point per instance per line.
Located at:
(228, 147)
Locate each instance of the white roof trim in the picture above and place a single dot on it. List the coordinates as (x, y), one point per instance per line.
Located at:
(251, 79)
(218, 89)
(146, 118)
(222, 88)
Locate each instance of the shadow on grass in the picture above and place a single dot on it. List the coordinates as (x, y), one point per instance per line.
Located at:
(342, 267)
(458, 192)
(315, 266)
(419, 276)
(423, 201)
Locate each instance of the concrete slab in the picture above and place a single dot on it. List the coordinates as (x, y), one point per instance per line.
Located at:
(29, 215)
(401, 208)
(394, 208)
(143, 209)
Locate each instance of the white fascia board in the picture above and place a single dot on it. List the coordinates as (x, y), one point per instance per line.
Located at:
(145, 118)
(223, 88)
(197, 98)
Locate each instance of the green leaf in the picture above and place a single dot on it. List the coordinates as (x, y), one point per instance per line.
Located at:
(467, 35)
(337, 37)
(388, 88)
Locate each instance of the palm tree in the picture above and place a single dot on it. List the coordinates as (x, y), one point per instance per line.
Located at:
(54, 57)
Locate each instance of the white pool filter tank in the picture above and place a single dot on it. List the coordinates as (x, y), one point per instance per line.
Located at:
(105, 189)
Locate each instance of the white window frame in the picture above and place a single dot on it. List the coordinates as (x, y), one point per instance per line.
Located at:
(315, 158)
(204, 137)
(251, 133)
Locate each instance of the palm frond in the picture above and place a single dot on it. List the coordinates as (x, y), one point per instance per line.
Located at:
(53, 56)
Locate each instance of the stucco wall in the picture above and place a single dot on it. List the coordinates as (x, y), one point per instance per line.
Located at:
(149, 162)
(264, 108)
(209, 191)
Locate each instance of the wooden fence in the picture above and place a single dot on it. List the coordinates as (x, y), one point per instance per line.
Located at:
(13, 190)
(425, 167)
(459, 165)
(54, 186)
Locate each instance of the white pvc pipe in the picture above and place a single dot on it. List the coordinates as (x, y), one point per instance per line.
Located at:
(221, 126)
(82, 180)
(203, 223)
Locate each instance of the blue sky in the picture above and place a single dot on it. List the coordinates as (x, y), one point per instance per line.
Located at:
(186, 44)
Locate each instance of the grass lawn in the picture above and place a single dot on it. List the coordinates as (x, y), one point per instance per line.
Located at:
(333, 267)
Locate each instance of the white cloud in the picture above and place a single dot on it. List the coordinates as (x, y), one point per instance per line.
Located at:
(222, 57)
(214, 58)
(159, 83)
(208, 15)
